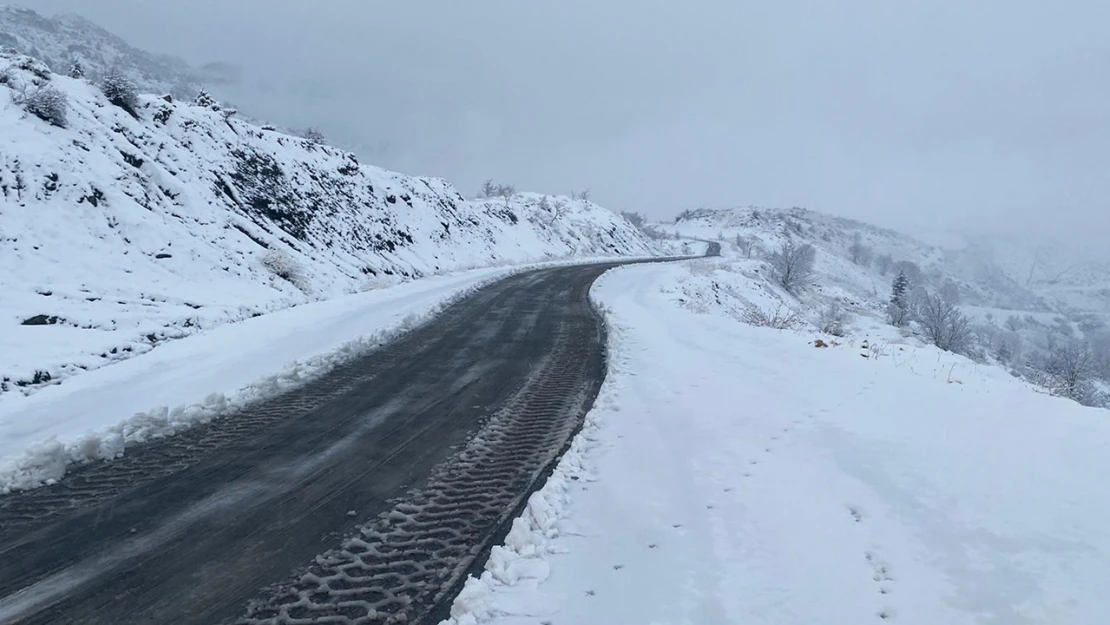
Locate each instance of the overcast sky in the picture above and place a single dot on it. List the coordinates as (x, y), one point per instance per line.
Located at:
(961, 113)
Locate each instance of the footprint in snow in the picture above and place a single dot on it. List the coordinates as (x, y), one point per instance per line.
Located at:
(881, 576)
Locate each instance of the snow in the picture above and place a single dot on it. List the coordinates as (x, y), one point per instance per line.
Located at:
(735, 474)
(210, 374)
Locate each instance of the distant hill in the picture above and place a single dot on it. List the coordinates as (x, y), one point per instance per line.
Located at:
(1026, 303)
(59, 40)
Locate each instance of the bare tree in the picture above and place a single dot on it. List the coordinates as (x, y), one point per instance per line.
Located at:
(313, 134)
(745, 245)
(506, 192)
(1073, 365)
(636, 219)
(581, 195)
(559, 208)
(792, 265)
(859, 253)
(950, 291)
(489, 189)
(884, 262)
(944, 324)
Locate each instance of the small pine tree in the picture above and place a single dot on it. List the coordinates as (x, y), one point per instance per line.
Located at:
(76, 69)
(899, 308)
(119, 90)
(204, 99)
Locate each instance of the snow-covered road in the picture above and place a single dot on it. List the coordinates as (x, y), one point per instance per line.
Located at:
(732, 474)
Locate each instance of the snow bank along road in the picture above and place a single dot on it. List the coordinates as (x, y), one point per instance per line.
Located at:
(365, 496)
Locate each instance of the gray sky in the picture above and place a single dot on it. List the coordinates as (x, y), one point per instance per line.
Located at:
(963, 113)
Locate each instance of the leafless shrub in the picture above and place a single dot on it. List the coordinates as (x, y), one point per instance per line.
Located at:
(944, 324)
(833, 319)
(859, 253)
(745, 245)
(636, 219)
(779, 318)
(490, 189)
(884, 262)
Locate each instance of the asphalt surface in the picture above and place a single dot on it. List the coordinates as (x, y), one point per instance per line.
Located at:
(364, 497)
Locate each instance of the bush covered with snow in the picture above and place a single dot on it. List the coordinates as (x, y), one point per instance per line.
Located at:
(119, 90)
(48, 103)
(283, 266)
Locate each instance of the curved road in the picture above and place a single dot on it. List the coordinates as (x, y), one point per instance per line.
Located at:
(364, 497)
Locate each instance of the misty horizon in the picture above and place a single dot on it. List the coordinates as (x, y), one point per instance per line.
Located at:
(945, 118)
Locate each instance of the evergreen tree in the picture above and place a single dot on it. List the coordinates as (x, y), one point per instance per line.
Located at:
(205, 100)
(119, 90)
(899, 308)
(76, 70)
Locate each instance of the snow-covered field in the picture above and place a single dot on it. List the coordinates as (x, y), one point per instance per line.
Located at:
(735, 474)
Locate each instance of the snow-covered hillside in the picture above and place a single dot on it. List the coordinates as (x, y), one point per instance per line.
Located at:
(58, 41)
(1017, 319)
(119, 231)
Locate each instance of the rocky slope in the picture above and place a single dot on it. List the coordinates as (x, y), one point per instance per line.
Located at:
(119, 230)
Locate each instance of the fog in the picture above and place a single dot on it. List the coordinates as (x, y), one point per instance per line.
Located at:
(986, 115)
